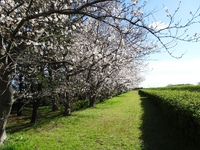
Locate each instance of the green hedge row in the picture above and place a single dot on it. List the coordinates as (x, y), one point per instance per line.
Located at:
(182, 108)
(180, 87)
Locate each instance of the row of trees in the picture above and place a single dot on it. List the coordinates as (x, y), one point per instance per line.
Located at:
(74, 48)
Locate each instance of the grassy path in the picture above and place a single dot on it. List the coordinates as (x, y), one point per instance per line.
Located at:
(126, 122)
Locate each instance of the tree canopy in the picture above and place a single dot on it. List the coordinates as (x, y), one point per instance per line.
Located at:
(95, 48)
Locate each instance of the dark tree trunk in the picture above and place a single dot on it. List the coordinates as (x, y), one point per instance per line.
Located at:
(92, 96)
(36, 103)
(19, 107)
(67, 110)
(101, 99)
(6, 101)
(44, 103)
(34, 116)
(54, 105)
(92, 101)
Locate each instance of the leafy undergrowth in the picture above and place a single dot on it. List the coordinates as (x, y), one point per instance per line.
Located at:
(126, 122)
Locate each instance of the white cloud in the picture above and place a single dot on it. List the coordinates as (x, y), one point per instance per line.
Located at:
(158, 25)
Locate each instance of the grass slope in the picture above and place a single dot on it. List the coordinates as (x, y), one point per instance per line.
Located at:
(113, 124)
(126, 122)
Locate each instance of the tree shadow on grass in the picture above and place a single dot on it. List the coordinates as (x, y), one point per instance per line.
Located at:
(19, 123)
(159, 134)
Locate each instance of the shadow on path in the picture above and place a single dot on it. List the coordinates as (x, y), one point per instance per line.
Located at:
(159, 134)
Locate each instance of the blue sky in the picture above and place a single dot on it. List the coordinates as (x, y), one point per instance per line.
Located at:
(164, 69)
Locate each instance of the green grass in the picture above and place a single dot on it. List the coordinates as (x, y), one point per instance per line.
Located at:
(126, 122)
(113, 124)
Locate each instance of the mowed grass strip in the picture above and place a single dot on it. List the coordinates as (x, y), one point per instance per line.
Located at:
(114, 124)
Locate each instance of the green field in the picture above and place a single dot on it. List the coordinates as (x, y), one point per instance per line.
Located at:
(125, 122)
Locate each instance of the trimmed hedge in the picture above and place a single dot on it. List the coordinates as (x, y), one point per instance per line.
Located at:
(182, 108)
(191, 88)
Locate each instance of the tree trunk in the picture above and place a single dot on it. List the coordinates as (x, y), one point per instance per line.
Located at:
(54, 105)
(6, 101)
(101, 99)
(92, 101)
(67, 110)
(34, 116)
(19, 107)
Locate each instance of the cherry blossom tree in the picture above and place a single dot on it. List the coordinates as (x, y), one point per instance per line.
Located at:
(107, 54)
(41, 33)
